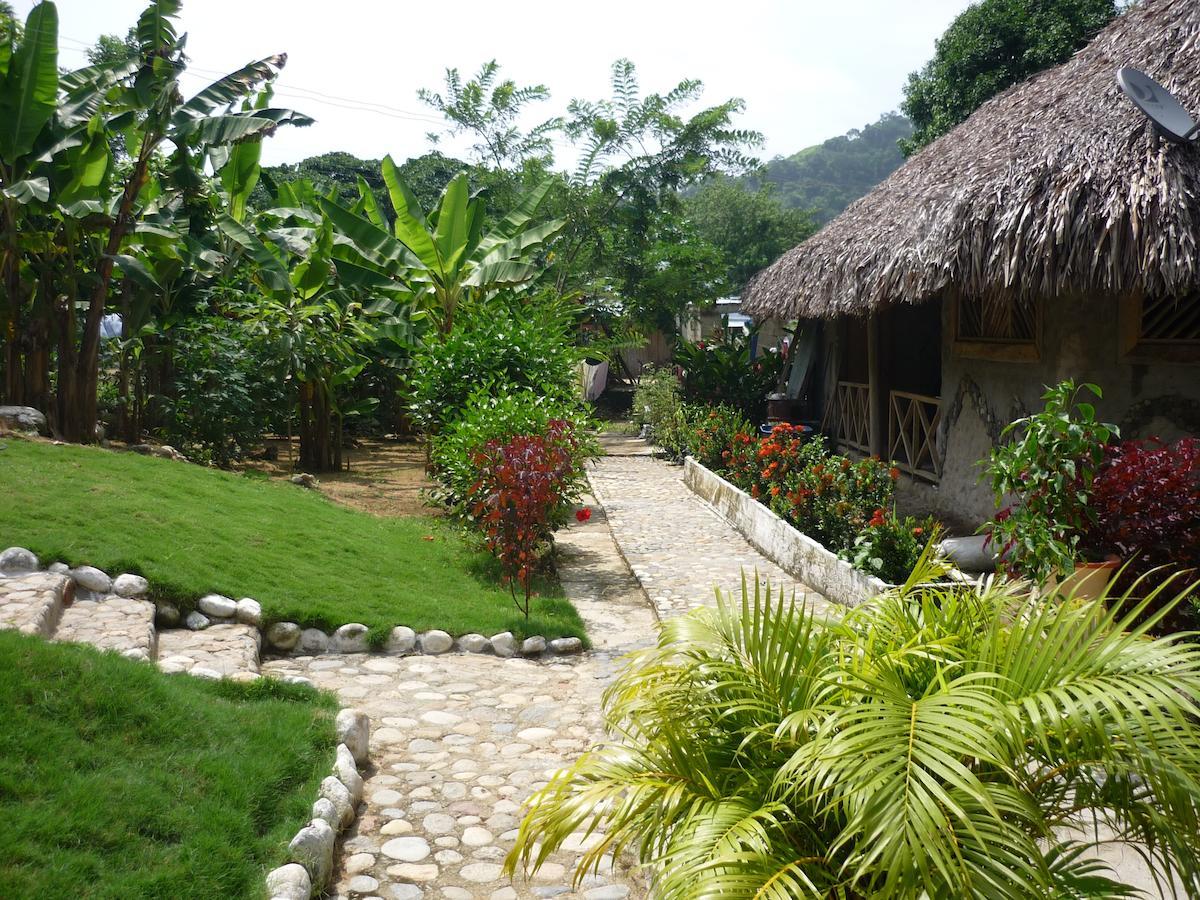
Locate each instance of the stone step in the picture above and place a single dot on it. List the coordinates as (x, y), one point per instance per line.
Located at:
(111, 623)
(215, 652)
(33, 603)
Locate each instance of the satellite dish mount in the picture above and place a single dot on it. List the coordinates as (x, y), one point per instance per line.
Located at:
(1167, 113)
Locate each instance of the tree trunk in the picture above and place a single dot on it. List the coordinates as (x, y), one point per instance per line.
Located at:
(78, 420)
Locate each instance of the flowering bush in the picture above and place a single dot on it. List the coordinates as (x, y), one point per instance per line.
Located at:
(830, 498)
(889, 546)
(524, 489)
(715, 434)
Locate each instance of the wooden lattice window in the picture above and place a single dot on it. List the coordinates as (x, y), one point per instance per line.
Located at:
(1003, 329)
(1161, 329)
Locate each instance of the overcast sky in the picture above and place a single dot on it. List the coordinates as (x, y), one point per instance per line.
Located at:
(807, 69)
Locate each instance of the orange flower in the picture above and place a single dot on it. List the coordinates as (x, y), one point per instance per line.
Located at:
(894, 473)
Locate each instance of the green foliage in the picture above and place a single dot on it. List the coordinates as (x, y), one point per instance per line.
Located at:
(443, 258)
(275, 542)
(499, 347)
(490, 110)
(97, 751)
(486, 417)
(656, 397)
(963, 741)
(721, 371)
(750, 229)
(827, 177)
(992, 45)
(1047, 461)
(218, 401)
(890, 547)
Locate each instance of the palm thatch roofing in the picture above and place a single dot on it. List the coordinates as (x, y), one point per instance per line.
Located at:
(1057, 185)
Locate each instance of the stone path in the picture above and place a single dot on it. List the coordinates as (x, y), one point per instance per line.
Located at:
(677, 546)
(459, 742)
(49, 605)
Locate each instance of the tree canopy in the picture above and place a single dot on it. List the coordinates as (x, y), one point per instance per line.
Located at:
(991, 46)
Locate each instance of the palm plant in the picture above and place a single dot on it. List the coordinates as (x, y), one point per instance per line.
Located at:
(941, 742)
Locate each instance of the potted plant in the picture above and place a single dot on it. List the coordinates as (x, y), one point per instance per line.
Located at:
(1047, 462)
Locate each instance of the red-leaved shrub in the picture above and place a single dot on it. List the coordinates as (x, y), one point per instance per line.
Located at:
(522, 492)
(1146, 502)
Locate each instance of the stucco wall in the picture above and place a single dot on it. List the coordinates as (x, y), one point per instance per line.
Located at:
(1080, 341)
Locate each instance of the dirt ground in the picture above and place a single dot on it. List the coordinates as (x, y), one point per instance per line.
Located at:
(384, 478)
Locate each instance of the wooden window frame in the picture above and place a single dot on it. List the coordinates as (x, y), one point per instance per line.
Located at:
(996, 350)
(1132, 348)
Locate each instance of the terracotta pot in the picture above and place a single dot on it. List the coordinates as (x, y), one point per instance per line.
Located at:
(1089, 581)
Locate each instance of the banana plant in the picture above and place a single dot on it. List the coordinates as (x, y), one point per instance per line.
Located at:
(444, 256)
(151, 111)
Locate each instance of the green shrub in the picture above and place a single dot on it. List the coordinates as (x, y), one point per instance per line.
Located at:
(889, 547)
(487, 418)
(952, 742)
(657, 397)
(220, 397)
(722, 372)
(499, 347)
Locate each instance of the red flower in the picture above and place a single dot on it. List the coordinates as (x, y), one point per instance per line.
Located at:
(583, 515)
(894, 473)
(876, 519)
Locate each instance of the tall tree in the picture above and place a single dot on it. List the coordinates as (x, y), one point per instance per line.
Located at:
(488, 109)
(992, 45)
(749, 229)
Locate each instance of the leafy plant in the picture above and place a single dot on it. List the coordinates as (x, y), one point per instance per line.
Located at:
(487, 418)
(217, 402)
(828, 497)
(890, 546)
(1048, 463)
(656, 397)
(1146, 501)
(443, 257)
(522, 489)
(499, 347)
(721, 371)
(966, 741)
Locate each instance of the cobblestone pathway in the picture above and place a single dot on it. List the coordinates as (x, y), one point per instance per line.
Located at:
(677, 546)
(459, 742)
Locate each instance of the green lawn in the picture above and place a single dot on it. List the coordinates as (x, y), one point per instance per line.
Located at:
(192, 531)
(117, 781)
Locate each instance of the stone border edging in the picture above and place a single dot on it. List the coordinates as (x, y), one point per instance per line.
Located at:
(792, 550)
(288, 638)
(311, 851)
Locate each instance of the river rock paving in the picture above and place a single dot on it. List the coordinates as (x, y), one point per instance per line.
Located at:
(120, 624)
(459, 742)
(676, 544)
(225, 650)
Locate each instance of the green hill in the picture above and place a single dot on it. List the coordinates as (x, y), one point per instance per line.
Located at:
(827, 177)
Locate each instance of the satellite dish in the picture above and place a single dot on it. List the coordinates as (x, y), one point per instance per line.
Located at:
(1157, 103)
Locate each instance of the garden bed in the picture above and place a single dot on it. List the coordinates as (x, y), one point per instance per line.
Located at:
(791, 550)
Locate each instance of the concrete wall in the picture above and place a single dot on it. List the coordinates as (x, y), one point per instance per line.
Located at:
(1079, 340)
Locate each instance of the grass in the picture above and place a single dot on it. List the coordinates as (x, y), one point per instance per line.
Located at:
(117, 781)
(192, 531)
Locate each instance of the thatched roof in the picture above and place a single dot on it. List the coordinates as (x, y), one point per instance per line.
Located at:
(1059, 184)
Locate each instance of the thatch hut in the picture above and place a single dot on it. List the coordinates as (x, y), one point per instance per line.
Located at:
(1053, 234)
